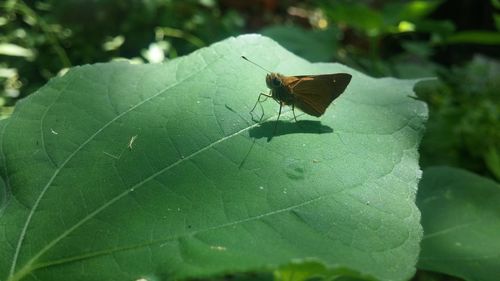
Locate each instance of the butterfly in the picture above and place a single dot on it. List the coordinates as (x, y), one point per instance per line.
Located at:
(312, 94)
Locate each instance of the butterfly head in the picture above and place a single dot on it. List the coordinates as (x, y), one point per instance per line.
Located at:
(273, 80)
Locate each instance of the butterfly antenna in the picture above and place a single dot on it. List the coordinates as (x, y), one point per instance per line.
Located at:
(245, 58)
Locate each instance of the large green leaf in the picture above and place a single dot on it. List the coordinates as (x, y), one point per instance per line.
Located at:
(119, 172)
(461, 220)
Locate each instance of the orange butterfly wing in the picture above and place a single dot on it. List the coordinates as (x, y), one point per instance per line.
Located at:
(314, 93)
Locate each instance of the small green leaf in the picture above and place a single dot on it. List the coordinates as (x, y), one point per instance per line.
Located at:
(461, 220)
(358, 16)
(313, 45)
(310, 270)
(120, 172)
(474, 37)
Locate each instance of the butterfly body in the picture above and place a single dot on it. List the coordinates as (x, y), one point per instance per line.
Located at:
(279, 91)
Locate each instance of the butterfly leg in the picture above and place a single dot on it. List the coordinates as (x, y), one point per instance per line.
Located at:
(293, 111)
(277, 119)
(260, 102)
(295, 117)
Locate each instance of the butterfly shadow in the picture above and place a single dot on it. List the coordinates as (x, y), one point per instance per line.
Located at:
(270, 129)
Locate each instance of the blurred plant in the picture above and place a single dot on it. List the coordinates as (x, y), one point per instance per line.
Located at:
(382, 38)
(38, 39)
(390, 38)
(27, 43)
(464, 124)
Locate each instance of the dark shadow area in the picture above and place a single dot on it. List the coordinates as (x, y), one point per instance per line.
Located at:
(267, 129)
